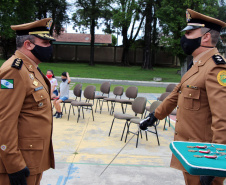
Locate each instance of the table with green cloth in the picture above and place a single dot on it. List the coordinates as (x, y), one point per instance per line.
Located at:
(196, 160)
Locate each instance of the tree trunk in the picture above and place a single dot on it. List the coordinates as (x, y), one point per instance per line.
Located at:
(126, 46)
(147, 37)
(153, 40)
(92, 31)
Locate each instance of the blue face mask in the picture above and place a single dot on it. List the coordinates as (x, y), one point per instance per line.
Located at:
(63, 80)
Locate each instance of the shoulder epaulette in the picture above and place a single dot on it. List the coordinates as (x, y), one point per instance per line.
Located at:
(218, 59)
(17, 63)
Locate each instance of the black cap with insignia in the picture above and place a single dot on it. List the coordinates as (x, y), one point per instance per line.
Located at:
(197, 20)
(38, 28)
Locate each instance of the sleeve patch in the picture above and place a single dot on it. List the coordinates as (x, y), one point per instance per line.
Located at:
(17, 63)
(218, 59)
(7, 83)
(221, 78)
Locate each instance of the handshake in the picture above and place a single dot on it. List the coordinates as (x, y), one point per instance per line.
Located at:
(148, 121)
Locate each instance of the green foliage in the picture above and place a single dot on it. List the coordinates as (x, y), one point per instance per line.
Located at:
(114, 40)
(55, 9)
(13, 12)
(221, 10)
(88, 10)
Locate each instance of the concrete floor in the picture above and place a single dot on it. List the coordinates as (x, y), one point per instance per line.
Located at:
(84, 149)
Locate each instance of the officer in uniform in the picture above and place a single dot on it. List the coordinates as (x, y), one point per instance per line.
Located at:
(200, 97)
(25, 109)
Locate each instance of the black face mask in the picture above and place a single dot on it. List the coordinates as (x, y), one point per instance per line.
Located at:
(190, 45)
(63, 80)
(42, 53)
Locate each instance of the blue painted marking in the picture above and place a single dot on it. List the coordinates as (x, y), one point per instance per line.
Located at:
(71, 170)
(59, 180)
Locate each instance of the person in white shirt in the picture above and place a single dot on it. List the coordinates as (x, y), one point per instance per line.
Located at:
(53, 81)
(63, 94)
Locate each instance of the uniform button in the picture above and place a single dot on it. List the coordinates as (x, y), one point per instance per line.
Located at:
(179, 92)
(190, 95)
(31, 146)
(41, 96)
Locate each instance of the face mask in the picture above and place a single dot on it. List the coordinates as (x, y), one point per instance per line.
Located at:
(42, 53)
(63, 80)
(190, 45)
(49, 76)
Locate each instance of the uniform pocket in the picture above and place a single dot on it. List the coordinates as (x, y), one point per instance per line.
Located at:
(191, 99)
(40, 98)
(32, 150)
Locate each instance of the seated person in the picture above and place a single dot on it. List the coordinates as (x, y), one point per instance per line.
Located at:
(53, 82)
(63, 94)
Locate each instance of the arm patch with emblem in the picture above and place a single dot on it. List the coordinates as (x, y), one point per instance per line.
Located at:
(218, 59)
(17, 63)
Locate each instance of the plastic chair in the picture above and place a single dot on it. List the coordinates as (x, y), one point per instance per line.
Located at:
(77, 92)
(138, 107)
(105, 89)
(131, 93)
(89, 94)
(118, 92)
(154, 105)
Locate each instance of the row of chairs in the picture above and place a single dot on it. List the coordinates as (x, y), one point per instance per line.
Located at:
(89, 94)
(138, 106)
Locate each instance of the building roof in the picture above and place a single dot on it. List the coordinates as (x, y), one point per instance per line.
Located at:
(83, 38)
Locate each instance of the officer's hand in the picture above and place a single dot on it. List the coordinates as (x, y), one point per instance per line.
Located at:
(148, 121)
(206, 180)
(19, 178)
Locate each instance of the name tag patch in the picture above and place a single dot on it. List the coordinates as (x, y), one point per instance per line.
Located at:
(38, 88)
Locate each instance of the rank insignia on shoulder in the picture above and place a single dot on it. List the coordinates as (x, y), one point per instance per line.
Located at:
(218, 59)
(17, 63)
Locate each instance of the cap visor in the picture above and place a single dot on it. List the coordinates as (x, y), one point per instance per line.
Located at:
(45, 37)
(189, 27)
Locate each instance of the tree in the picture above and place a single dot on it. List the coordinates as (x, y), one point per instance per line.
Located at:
(87, 16)
(13, 12)
(172, 20)
(56, 9)
(151, 34)
(127, 14)
(114, 40)
(172, 25)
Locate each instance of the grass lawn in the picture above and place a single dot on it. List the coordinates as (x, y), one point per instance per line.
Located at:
(111, 71)
(114, 72)
(141, 89)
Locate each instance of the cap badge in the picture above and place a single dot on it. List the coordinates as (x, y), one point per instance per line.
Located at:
(49, 24)
(188, 16)
(221, 77)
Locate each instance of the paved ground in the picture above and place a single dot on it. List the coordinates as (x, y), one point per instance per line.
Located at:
(84, 149)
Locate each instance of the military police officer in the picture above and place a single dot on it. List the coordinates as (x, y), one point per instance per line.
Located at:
(200, 97)
(25, 109)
